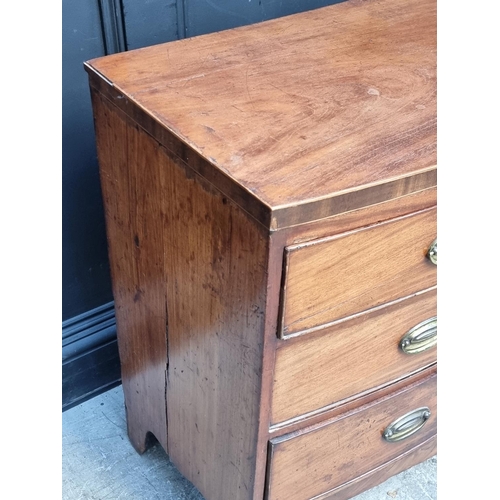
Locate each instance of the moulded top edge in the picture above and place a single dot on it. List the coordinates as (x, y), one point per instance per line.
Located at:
(303, 116)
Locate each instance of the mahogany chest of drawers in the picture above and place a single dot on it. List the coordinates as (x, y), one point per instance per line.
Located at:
(270, 199)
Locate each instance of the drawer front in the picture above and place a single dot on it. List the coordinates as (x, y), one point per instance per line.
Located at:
(318, 370)
(330, 279)
(330, 455)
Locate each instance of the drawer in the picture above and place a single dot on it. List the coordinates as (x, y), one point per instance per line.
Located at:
(330, 456)
(330, 279)
(353, 357)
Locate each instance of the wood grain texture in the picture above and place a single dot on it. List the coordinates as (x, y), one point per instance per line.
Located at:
(335, 111)
(276, 178)
(134, 225)
(177, 245)
(331, 412)
(318, 370)
(359, 218)
(333, 453)
(216, 261)
(380, 474)
(333, 278)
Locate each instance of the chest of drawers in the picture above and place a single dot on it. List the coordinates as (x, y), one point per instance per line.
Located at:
(270, 199)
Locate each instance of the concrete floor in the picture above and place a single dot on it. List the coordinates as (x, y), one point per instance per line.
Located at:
(99, 462)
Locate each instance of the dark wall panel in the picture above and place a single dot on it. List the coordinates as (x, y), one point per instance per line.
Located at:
(149, 22)
(86, 282)
(205, 16)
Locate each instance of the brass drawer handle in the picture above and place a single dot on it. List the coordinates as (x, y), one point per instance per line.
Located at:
(406, 425)
(420, 338)
(432, 253)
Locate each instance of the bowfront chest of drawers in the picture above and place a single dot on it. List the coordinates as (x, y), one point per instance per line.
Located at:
(270, 198)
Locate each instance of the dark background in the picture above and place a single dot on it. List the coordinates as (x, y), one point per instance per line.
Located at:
(94, 28)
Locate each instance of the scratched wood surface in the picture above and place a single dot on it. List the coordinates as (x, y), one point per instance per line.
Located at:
(329, 279)
(406, 460)
(216, 261)
(322, 124)
(134, 217)
(317, 370)
(347, 447)
(336, 109)
(362, 217)
(189, 278)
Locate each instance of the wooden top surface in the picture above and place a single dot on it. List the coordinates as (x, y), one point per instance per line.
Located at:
(337, 102)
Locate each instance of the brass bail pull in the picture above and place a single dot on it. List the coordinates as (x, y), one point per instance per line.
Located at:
(407, 425)
(420, 338)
